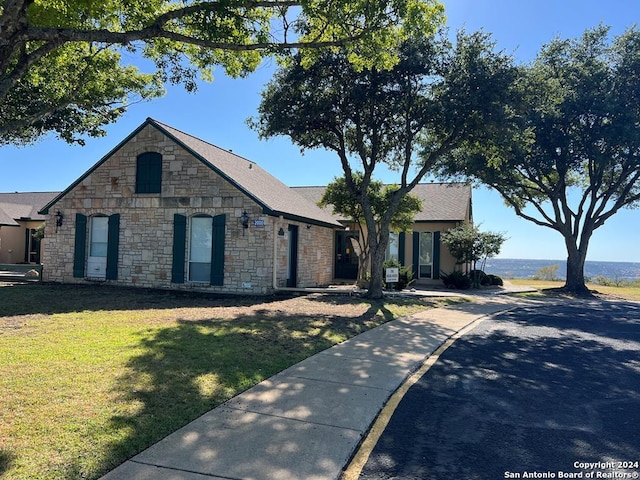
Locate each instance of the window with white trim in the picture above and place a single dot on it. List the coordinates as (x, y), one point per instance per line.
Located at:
(200, 245)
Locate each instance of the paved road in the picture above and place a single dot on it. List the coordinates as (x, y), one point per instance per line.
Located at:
(539, 392)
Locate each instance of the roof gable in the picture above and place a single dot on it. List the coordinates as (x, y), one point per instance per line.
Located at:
(270, 193)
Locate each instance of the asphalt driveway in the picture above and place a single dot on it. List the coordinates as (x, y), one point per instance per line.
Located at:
(546, 391)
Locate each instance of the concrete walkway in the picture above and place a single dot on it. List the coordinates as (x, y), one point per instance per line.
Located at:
(306, 422)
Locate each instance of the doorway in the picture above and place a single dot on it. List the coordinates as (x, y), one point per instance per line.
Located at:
(346, 259)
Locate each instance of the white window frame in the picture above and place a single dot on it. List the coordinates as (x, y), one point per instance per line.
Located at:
(426, 256)
(196, 256)
(98, 250)
(392, 253)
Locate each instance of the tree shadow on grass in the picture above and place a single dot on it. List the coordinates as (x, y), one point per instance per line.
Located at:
(50, 298)
(6, 460)
(186, 370)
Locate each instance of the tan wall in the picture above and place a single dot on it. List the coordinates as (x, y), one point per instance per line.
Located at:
(12, 241)
(146, 223)
(447, 261)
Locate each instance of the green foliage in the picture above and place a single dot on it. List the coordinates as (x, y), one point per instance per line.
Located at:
(569, 150)
(548, 272)
(468, 244)
(457, 280)
(62, 63)
(494, 280)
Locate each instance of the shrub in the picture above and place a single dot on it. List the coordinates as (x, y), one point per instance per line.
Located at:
(495, 280)
(478, 277)
(547, 273)
(456, 280)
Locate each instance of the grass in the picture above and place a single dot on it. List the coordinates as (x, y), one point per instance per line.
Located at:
(91, 375)
(629, 292)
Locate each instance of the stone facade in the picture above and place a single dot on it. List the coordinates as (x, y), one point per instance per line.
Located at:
(146, 225)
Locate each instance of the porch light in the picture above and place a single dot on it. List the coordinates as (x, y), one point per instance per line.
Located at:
(245, 221)
(281, 232)
(58, 216)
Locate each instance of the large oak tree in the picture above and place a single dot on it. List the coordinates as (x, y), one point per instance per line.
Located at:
(572, 157)
(438, 93)
(65, 65)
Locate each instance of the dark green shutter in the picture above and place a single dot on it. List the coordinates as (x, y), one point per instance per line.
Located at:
(149, 173)
(179, 243)
(401, 248)
(113, 243)
(416, 254)
(436, 255)
(217, 250)
(80, 246)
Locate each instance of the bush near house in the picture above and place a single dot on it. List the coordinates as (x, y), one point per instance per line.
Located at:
(463, 281)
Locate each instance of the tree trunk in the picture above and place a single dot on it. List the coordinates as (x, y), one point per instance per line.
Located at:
(377, 275)
(575, 283)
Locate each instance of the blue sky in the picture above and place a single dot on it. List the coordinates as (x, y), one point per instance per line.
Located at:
(218, 112)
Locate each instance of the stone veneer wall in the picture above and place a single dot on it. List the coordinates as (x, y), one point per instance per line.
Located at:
(315, 255)
(146, 224)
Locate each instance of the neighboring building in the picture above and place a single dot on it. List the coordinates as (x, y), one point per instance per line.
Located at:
(164, 209)
(444, 206)
(19, 220)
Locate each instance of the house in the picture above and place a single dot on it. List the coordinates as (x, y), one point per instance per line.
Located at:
(164, 209)
(19, 221)
(444, 206)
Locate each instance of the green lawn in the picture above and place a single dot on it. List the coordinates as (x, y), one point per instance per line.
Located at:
(91, 375)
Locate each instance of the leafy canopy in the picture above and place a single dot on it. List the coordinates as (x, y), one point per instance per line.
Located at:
(570, 158)
(437, 96)
(63, 63)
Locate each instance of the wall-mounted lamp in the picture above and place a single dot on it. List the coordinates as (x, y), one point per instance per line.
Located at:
(281, 232)
(308, 227)
(58, 216)
(245, 221)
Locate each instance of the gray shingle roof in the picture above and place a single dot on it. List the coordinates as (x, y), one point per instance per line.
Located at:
(440, 201)
(23, 206)
(274, 196)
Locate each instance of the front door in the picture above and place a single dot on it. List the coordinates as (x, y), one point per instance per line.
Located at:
(292, 267)
(98, 238)
(346, 259)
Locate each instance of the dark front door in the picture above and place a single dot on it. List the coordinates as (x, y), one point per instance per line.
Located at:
(346, 261)
(292, 270)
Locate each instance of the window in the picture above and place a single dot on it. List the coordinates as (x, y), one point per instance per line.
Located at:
(149, 173)
(200, 244)
(99, 237)
(205, 262)
(426, 255)
(392, 252)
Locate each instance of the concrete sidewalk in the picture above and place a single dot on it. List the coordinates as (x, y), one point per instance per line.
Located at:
(306, 422)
